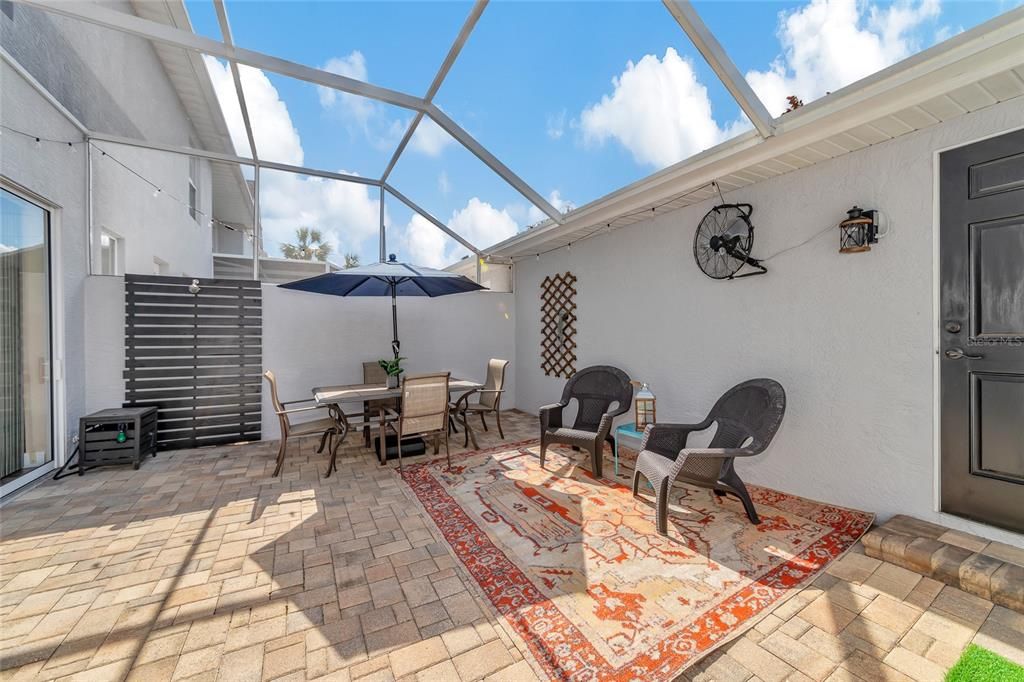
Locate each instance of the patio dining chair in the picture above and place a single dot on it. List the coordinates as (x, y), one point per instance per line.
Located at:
(602, 393)
(747, 418)
(332, 428)
(373, 373)
(488, 399)
(424, 413)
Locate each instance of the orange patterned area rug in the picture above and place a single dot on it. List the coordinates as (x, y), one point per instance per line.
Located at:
(575, 565)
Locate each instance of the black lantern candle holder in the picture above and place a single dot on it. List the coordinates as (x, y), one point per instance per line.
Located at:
(859, 231)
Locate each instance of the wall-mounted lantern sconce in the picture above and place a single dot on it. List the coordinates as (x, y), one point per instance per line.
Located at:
(859, 231)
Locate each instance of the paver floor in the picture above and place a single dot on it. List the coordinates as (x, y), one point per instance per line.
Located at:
(202, 566)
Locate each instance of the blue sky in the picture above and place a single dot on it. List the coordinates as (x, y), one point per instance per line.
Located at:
(578, 98)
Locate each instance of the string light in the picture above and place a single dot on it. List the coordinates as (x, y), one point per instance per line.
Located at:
(158, 191)
(643, 211)
(37, 141)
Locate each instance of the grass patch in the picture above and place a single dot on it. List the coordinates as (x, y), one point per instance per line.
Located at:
(981, 665)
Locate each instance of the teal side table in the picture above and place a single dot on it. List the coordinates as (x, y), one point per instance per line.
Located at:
(629, 434)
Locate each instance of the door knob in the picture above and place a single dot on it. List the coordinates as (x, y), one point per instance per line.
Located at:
(958, 353)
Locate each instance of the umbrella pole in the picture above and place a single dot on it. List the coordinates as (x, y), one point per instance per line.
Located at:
(396, 345)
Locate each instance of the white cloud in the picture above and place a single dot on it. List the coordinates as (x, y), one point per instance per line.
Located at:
(425, 244)
(346, 213)
(658, 110)
(827, 44)
(372, 119)
(556, 125)
(352, 66)
(4, 248)
(360, 115)
(535, 215)
(443, 183)
(276, 137)
(429, 138)
(480, 223)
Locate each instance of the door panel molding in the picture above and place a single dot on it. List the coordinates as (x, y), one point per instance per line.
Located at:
(978, 381)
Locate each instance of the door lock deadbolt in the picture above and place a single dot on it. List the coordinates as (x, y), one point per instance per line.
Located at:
(953, 327)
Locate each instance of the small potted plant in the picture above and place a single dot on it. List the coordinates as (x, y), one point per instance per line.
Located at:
(393, 369)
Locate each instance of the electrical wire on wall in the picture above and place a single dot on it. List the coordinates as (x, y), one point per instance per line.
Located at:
(607, 227)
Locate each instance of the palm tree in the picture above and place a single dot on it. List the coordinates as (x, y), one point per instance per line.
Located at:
(310, 245)
(351, 261)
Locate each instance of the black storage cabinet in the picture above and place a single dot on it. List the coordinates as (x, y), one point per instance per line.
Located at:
(98, 431)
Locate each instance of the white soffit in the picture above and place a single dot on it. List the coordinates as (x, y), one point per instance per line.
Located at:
(187, 73)
(971, 71)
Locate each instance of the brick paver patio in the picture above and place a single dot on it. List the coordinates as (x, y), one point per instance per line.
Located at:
(202, 566)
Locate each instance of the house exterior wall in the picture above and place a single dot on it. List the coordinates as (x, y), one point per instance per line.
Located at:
(115, 83)
(158, 234)
(58, 175)
(850, 337)
(97, 75)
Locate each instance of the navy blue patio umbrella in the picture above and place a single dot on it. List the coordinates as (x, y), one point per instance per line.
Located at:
(392, 279)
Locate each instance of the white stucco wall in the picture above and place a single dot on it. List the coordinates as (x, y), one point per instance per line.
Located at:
(104, 342)
(58, 175)
(152, 227)
(849, 336)
(115, 83)
(98, 75)
(314, 340)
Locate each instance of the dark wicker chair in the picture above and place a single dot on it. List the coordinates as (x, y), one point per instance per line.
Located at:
(596, 390)
(747, 417)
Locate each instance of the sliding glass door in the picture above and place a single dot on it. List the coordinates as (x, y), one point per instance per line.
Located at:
(26, 445)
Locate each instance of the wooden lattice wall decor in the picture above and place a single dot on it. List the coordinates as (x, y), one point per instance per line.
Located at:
(558, 325)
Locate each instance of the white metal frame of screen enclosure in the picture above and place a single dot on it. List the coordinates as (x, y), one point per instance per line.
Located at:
(682, 10)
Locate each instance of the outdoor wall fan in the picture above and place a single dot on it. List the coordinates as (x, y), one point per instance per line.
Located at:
(724, 239)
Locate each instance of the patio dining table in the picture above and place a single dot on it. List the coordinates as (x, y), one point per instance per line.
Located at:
(358, 393)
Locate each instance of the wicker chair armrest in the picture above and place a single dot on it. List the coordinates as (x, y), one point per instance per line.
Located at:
(667, 439)
(713, 453)
(719, 452)
(551, 416)
(604, 427)
(295, 402)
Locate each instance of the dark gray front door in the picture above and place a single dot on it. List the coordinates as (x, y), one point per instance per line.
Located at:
(981, 330)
